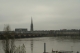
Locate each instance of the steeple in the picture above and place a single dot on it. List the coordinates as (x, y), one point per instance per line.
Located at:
(31, 25)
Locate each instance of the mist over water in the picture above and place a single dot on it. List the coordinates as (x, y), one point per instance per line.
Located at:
(55, 43)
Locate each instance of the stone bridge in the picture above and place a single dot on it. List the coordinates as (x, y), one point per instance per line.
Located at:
(22, 35)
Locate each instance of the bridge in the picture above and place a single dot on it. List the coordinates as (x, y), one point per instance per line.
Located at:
(22, 35)
(30, 34)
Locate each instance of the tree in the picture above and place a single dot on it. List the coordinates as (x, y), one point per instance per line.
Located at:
(20, 49)
(8, 44)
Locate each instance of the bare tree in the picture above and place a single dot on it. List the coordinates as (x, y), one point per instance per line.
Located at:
(8, 44)
(20, 49)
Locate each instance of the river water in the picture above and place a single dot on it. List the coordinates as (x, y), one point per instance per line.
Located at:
(59, 44)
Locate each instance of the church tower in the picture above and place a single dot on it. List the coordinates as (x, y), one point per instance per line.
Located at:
(31, 25)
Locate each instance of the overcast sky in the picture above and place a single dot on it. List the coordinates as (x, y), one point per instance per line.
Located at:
(46, 14)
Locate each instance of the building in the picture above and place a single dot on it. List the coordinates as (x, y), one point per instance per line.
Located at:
(31, 29)
(20, 30)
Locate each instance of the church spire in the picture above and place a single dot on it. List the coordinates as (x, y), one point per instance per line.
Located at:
(31, 25)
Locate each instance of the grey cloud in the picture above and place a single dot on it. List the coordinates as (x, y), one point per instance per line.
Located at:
(47, 14)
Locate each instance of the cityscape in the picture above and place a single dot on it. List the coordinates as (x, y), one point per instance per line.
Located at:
(39, 26)
(24, 33)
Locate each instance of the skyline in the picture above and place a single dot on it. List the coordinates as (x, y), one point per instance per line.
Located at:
(47, 14)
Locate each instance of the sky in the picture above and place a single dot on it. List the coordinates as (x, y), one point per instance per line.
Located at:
(46, 14)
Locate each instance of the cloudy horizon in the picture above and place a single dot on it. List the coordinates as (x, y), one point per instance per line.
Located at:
(46, 14)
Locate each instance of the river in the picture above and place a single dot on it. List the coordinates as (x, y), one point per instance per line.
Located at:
(51, 43)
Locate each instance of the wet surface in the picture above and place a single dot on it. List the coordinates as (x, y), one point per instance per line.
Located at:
(36, 45)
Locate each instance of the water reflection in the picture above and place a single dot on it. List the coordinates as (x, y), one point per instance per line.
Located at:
(31, 45)
(36, 45)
